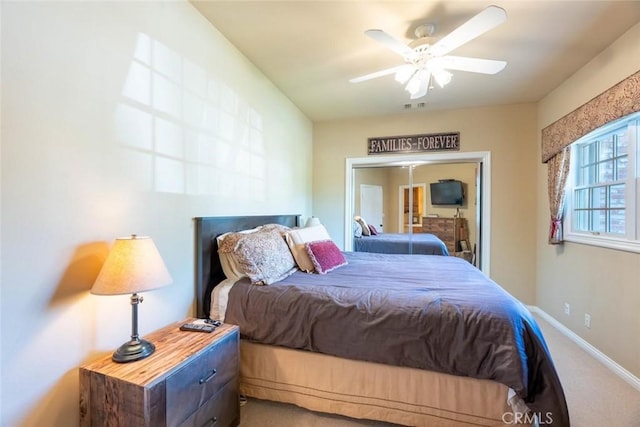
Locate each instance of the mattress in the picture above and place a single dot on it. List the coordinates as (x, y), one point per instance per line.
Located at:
(357, 389)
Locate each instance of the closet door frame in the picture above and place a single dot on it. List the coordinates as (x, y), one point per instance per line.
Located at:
(483, 216)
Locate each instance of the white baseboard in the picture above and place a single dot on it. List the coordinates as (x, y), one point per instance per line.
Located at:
(600, 356)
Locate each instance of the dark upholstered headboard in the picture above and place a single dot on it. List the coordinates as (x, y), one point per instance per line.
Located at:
(208, 269)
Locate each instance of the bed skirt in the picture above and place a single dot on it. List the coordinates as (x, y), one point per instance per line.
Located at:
(374, 391)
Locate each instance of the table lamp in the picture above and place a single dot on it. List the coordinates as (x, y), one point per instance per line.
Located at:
(133, 265)
(312, 221)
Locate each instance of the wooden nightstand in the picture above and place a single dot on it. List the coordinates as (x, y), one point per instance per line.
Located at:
(190, 380)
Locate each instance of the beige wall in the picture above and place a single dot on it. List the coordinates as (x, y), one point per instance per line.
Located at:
(602, 282)
(120, 118)
(508, 132)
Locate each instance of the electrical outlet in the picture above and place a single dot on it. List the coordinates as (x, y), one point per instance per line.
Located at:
(587, 320)
(567, 309)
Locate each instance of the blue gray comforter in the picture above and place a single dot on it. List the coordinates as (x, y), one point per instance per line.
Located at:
(427, 312)
(401, 243)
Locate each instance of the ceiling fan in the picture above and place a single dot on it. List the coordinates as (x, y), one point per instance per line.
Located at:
(425, 61)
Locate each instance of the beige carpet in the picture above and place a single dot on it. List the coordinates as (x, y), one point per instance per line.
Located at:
(596, 396)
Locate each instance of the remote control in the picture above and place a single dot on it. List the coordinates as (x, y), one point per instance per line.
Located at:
(197, 327)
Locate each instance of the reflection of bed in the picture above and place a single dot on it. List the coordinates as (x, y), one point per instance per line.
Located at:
(401, 243)
(451, 336)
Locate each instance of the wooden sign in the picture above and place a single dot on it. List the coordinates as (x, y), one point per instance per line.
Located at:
(414, 143)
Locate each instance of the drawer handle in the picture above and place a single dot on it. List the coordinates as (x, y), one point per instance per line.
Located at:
(211, 422)
(207, 378)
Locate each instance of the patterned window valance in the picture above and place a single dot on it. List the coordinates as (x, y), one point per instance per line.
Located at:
(616, 102)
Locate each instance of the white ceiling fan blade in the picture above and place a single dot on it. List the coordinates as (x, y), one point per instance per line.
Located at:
(484, 21)
(474, 65)
(390, 42)
(380, 73)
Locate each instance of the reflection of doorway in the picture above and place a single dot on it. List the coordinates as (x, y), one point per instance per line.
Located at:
(411, 207)
(371, 206)
(482, 208)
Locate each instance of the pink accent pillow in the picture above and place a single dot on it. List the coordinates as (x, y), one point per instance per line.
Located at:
(325, 256)
(296, 239)
(373, 230)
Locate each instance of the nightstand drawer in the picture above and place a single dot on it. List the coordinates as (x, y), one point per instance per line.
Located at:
(215, 412)
(194, 384)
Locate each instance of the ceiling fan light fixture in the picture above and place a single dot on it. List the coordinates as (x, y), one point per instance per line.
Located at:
(404, 74)
(419, 84)
(413, 86)
(442, 77)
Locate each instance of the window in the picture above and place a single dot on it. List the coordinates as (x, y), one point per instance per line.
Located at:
(603, 194)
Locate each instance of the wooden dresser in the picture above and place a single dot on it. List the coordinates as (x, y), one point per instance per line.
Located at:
(190, 380)
(449, 230)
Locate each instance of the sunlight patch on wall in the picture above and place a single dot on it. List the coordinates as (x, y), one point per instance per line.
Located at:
(184, 131)
(134, 127)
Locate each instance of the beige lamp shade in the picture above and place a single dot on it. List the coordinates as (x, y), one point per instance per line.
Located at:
(133, 265)
(312, 221)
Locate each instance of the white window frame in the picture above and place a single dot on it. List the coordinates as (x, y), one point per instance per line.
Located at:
(631, 241)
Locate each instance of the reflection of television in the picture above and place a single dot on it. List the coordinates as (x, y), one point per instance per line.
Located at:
(447, 192)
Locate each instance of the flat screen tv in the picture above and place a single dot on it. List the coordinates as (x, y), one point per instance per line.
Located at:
(447, 192)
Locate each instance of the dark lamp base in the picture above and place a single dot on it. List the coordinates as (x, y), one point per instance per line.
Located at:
(133, 350)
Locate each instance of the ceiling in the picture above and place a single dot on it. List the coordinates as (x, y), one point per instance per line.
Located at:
(310, 49)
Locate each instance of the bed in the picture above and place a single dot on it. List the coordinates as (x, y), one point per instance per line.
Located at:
(477, 357)
(401, 243)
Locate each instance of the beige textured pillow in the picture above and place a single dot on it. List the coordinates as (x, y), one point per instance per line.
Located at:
(297, 237)
(228, 261)
(263, 255)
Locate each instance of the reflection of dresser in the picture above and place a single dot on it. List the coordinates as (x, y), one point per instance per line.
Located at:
(416, 228)
(449, 230)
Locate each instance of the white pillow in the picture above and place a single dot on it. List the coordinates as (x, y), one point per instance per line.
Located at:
(357, 229)
(364, 225)
(297, 237)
